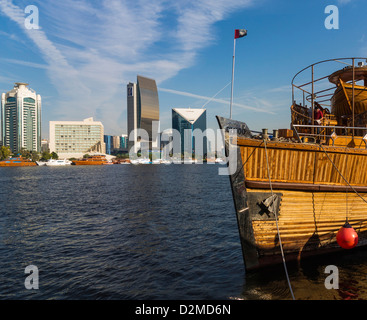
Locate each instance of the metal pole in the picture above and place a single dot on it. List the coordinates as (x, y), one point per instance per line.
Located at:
(312, 101)
(353, 101)
(233, 62)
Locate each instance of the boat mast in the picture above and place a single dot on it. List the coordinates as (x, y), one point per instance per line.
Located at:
(233, 62)
(238, 33)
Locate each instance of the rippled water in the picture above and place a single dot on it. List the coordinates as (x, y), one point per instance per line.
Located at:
(141, 232)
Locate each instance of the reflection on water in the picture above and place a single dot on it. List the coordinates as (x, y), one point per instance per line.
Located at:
(142, 232)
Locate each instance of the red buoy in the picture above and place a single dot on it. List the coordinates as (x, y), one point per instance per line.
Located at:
(347, 237)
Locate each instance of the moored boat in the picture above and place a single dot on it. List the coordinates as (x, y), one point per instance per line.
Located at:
(92, 160)
(17, 162)
(58, 162)
(294, 191)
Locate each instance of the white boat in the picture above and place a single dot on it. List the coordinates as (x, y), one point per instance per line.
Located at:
(41, 163)
(219, 160)
(145, 161)
(54, 162)
(140, 161)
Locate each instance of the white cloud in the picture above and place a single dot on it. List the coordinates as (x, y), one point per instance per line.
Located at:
(220, 101)
(92, 50)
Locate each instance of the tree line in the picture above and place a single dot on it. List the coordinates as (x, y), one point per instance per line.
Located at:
(6, 153)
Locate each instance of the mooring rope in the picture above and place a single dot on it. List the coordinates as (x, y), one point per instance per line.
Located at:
(276, 221)
(342, 174)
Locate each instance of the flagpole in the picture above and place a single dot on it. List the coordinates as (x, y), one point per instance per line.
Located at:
(233, 62)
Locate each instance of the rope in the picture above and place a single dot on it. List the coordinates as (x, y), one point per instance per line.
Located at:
(342, 175)
(276, 221)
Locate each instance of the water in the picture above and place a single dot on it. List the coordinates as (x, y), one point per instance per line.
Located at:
(144, 233)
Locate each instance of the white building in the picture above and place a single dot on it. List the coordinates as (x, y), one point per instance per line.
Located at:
(21, 119)
(73, 139)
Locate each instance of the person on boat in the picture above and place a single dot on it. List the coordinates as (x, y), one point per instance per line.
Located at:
(318, 115)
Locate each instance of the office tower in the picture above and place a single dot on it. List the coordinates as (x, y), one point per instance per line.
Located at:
(124, 141)
(185, 121)
(142, 110)
(108, 140)
(73, 139)
(21, 119)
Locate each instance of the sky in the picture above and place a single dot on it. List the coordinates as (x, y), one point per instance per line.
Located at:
(84, 53)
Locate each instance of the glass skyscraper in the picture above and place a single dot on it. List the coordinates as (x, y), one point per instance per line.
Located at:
(185, 121)
(21, 119)
(142, 110)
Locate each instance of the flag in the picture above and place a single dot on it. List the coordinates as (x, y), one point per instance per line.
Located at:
(239, 33)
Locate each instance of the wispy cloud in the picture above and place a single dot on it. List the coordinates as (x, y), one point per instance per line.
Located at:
(221, 101)
(93, 49)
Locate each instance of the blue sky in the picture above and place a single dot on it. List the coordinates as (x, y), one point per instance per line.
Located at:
(85, 53)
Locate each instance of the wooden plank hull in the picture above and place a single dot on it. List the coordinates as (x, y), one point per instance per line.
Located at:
(310, 195)
(308, 223)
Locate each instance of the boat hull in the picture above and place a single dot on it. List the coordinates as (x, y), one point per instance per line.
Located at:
(307, 194)
(17, 162)
(88, 163)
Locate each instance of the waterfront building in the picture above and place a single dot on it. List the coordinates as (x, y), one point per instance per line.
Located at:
(21, 119)
(142, 112)
(124, 141)
(185, 121)
(73, 139)
(44, 146)
(108, 140)
(115, 143)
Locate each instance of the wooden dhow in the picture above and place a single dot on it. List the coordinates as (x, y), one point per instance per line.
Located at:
(17, 162)
(293, 190)
(95, 160)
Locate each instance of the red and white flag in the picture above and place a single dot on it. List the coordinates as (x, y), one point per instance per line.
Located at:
(239, 33)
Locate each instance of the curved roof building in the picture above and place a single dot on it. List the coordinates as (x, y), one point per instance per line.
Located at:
(142, 110)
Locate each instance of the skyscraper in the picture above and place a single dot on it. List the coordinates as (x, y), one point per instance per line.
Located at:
(21, 119)
(142, 110)
(185, 121)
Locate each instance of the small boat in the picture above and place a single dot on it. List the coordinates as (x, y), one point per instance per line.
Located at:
(293, 191)
(41, 163)
(219, 160)
(145, 161)
(140, 161)
(17, 162)
(54, 162)
(93, 160)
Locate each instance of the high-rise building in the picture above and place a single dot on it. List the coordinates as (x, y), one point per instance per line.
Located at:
(123, 141)
(21, 119)
(142, 111)
(108, 140)
(185, 121)
(73, 139)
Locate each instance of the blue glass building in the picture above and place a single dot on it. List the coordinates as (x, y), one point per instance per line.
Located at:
(185, 121)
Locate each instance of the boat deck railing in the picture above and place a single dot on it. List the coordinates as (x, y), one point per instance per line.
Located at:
(309, 87)
(328, 134)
